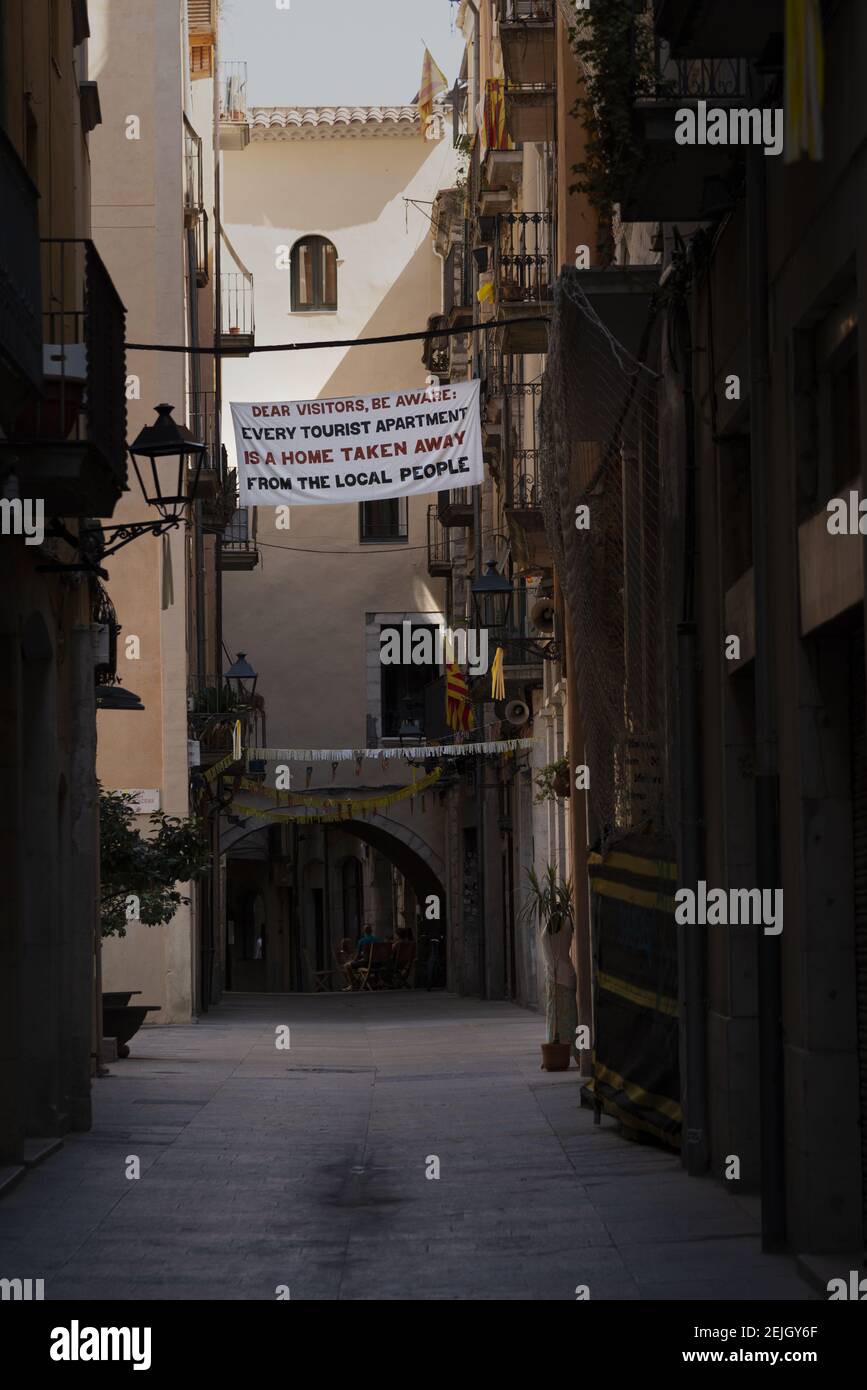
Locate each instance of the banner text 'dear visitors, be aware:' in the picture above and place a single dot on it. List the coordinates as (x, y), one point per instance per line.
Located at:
(359, 449)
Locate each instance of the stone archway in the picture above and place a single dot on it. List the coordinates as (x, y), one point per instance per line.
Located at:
(408, 851)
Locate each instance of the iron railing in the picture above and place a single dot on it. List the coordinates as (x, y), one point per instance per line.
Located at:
(84, 355)
(718, 78)
(214, 706)
(439, 553)
(526, 11)
(457, 278)
(523, 257)
(240, 534)
(236, 304)
(204, 426)
(522, 402)
(202, 250)
(233, 92)
(436, 353)
(20, 278)
(194, 175)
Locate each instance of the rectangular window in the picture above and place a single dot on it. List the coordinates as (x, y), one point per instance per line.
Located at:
(403, 693)
(384, 521)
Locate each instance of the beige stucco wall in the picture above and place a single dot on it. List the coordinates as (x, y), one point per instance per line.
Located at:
(302, 617)
(138, 228)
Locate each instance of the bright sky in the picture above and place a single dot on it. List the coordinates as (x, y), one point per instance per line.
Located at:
(338, 52)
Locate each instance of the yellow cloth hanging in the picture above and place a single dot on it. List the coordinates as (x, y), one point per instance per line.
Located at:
(498, 683)
(805, 80)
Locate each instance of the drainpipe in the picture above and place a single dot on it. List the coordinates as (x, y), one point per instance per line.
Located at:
(692, 943)
(771, 1071)
(481, 845)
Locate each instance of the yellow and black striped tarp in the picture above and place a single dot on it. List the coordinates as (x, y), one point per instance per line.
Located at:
(636, 1074)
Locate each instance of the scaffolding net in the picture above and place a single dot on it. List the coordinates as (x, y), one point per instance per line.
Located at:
(609, 518)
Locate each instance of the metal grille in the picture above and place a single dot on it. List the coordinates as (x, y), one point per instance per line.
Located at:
(599, 451)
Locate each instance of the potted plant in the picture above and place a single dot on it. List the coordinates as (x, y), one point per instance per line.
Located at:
(553, 780)
(140, 876)
(549, 902)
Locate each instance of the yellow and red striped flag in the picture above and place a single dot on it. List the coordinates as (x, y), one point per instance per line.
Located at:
(432, 83)
(459, 711)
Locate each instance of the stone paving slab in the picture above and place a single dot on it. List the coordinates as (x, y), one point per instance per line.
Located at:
(261, 1167)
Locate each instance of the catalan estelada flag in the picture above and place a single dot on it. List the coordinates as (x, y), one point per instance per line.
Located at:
(459, 711)
(497, 136)
(805, 80)
(432, 83)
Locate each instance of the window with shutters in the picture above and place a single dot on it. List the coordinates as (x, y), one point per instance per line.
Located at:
(313, 275)
(201, 60)
(202, 19)
(202, 26)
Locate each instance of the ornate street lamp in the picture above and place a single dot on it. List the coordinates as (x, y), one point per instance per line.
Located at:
(493, 596)
(492, 601)
(154, 445)
(163, 440)
(239, 672)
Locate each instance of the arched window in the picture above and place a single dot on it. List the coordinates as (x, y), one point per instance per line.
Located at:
(314, 275)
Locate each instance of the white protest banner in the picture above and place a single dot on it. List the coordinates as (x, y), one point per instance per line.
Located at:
(359, 449)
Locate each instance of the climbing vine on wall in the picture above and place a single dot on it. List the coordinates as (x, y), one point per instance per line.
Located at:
(615, 49)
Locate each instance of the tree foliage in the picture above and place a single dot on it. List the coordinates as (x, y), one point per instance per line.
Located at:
(615, 49)
(147, 867)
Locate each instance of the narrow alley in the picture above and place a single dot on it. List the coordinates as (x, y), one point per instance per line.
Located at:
(306, 1168)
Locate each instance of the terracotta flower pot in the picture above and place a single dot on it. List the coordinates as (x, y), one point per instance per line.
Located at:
(555, 1056)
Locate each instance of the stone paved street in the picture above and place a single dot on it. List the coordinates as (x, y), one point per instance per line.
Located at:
(307, 1168)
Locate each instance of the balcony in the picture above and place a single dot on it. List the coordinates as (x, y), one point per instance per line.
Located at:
(203, 251)
(205, 427)
(214, 707)
(684, 183)
(523, 263)
(234, 119)
(521, 404)
(237, 313)
(458, 286)
(527, 40)
(727, 28)
(436, 353)
(439, 550)
(20, 286)
(239, 550)
(455, 506)
(69, 447)
(194, 176)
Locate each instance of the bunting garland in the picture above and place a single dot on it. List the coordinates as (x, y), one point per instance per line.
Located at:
(421, 753)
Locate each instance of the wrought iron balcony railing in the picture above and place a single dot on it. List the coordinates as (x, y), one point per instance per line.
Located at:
(214, 706)
(439, 550)
(194, 185)
(205, 427)
(457, 280)
(20, 284)
(233, 93)
(526, 11)
(238, 550)
(202, 250)
(72, 441)
(523, 257)
(436, 353)
(717, 79)
(237, 309)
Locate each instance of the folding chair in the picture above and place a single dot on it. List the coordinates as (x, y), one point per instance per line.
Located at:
(321, 978)
(368, 973)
